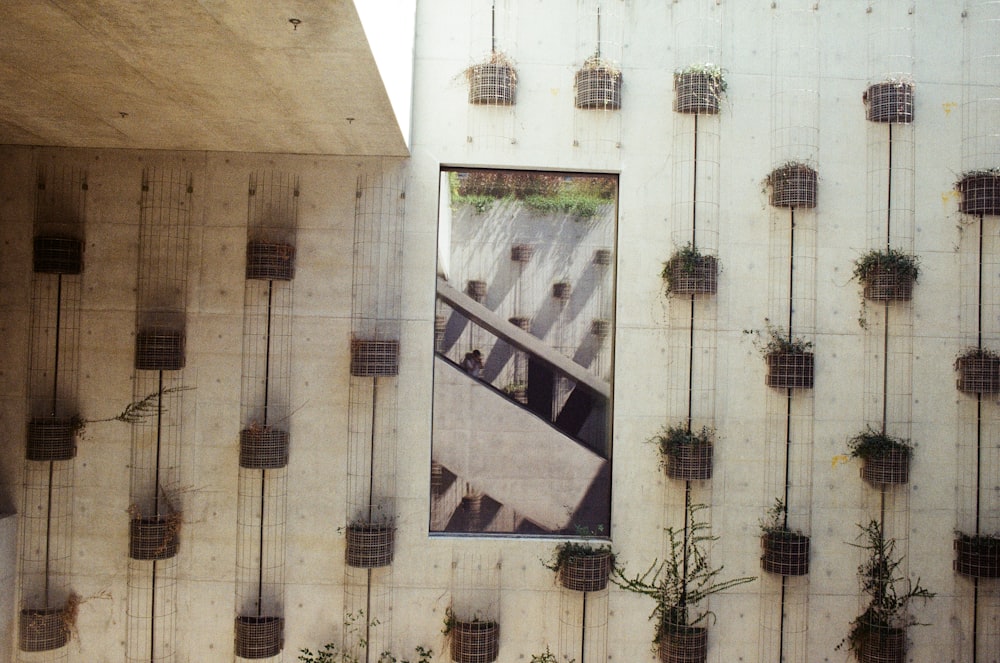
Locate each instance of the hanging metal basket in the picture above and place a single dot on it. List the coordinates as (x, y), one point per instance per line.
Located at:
(159, 349)
(790, 370)
(263, 448)
(374, 358)
(889, 468)
(259, 637)
(602, 257)
(977, 556)
(785, 553)
(793, 185)
(521, 252)
(270, 261)
(492, 83)
(978, 373)
(885, 284)
(475, 642)
(598, 87)
(879, 644)
(683, 644)
(50, 438)
(370, 545)
(697, 275)
(697, 92)
(154, 538)
(476, 290)
(889, 102)
(586, 573)
(42, 629)
(57, 255)
(980, 193)
(689, 462)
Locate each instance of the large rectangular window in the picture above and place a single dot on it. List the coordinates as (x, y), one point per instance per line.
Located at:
(523, 357)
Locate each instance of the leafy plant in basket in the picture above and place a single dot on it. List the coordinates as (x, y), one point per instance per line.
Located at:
(582, 565)
(886, 458)
(690, 272)
(887, 275)
(685, 453)
(978, 371)
(789, 358)
(785, 551)
(879, 633)
(679, 585)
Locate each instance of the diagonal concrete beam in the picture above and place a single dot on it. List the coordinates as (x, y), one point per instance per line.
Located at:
(521, 339)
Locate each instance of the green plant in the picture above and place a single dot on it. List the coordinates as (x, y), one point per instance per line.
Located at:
(596, 63)
(687, 260)
(682, 580)
(778, 341)
(498, 58)
(904, 265)
(355, 627)
(671, 439)
(568, 550)
(973, 352)
(711, 70)
(775, 520)
(890, 593)
(548, 657)
(135, 412)
(871, 443)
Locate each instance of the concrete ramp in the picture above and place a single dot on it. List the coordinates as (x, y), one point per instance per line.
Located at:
(508, 453)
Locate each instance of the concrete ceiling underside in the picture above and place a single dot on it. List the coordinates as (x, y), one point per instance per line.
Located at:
(227, 75)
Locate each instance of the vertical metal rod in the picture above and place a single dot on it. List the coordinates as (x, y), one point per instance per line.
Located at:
(788, 424)
(694, 234)
(263, 473)
(493, 27)
(885, 331)
(55, 370)
(583, 630)
(598, 51)
(48, 533)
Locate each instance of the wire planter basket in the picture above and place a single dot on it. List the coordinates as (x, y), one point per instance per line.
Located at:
(793, 185)
(689, 462)
(980, 192)
(154, 538)
(50, 438)
(889, 101)
(476, 290)
(977, 556)
(492, 83)
(697, 92)
(270, 261)
(42, 629)
(562, 291)
(263, 448)
(159, 349)
(885, 284)
(598, 87)
(785, 553)
(790, 370)
(887, 469)
(521, 252)
(882, 644)
(370, 545)
(602, 257)
(475, 641)
(586, 573)
(683, 644)
(978, 372)
(374, 358)
(258, 637)
(57, 255)
(600, 327)
(692, 275)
